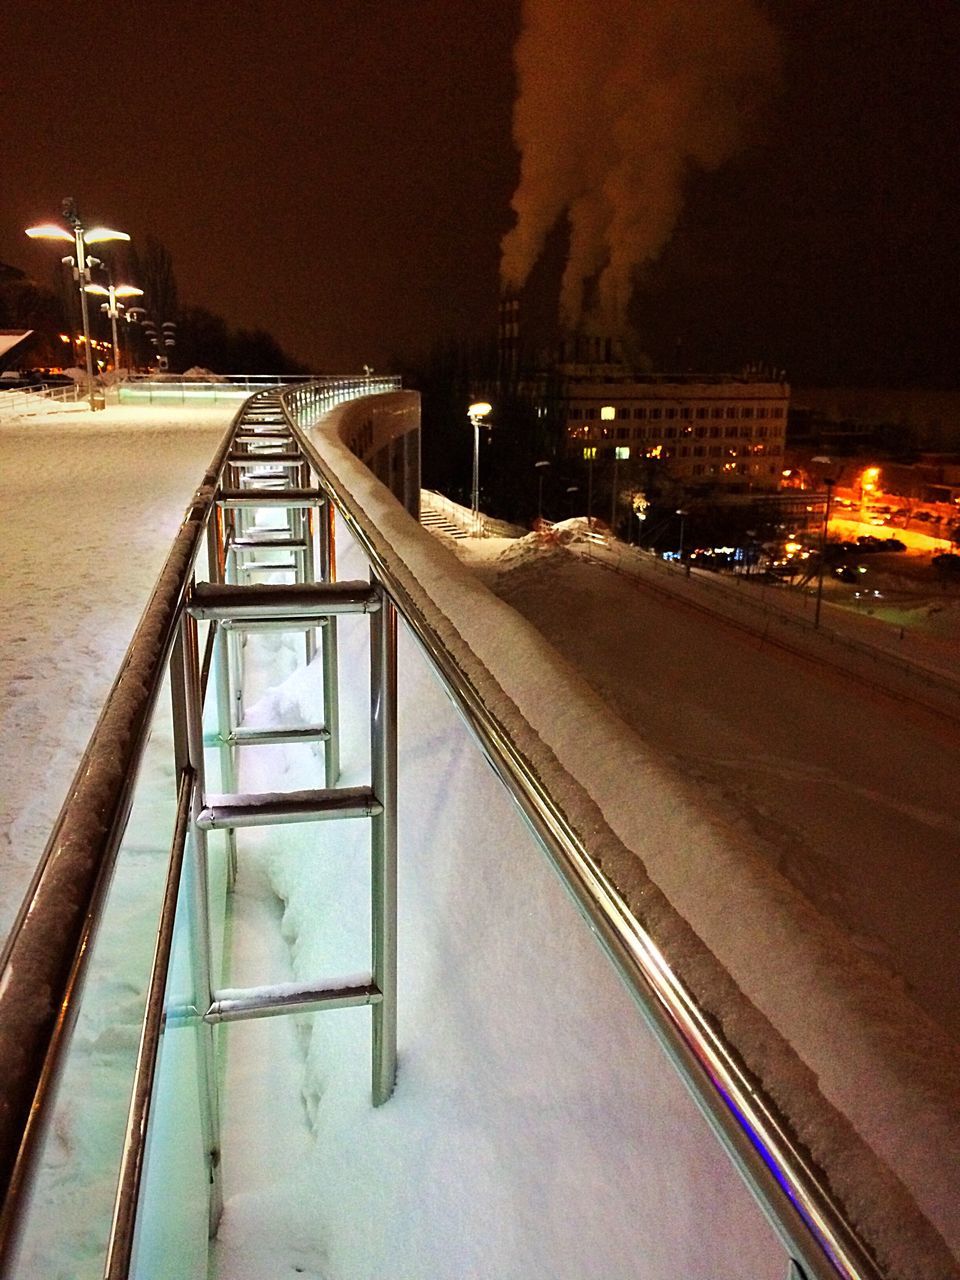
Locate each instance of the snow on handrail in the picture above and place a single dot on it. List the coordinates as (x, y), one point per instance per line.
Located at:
(810, 1223)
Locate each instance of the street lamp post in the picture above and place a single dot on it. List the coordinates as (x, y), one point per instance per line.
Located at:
(81, 263)
(608, 413)
(113, 308)
(541, 467)
(681, 512)
(823, 549)
(476, 413)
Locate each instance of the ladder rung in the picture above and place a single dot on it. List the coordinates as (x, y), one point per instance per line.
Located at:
(271, 498)
(287, 997)
(262, 809)
(280, 602)
(244, 736)
(277, 459)
(252, 625)
(248, 544)
(271, 566)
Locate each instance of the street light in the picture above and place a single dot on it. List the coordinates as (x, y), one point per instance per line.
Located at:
(112, 308)
(476, 413)
(608, 413)
(829, 482)
(681, 512)
(541, 467)
(80, 238)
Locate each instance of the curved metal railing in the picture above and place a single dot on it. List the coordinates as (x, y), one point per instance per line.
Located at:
(812, 1226)
(41, 967)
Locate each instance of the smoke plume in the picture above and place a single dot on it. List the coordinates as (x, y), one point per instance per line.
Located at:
(618, 100)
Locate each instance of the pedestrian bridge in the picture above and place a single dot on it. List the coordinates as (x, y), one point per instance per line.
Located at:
(338, 967)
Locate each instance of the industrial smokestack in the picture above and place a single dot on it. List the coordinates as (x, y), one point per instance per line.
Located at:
(618, 100)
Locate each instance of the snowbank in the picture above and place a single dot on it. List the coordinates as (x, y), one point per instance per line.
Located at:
(869, 1084)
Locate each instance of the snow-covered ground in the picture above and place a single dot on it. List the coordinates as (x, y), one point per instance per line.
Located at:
(536, 1130)
(90, 504)
(848, 792)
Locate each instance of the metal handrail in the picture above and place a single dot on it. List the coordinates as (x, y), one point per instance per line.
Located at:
(43, 961)
(42, 965)
(802, 1211)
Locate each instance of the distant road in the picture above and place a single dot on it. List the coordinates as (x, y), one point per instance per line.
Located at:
(849, 792)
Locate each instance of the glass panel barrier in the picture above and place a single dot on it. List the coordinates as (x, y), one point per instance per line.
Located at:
(69, 1216)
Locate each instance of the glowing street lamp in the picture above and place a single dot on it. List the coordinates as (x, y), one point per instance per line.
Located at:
(476, 413)
(113, 308)
(80, 237)
(868, 486)
(607, 414)
(829, 482)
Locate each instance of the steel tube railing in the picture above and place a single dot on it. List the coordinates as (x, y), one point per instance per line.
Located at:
(47, 949)
(43, 961)
(120, 1248)
(812, 1226)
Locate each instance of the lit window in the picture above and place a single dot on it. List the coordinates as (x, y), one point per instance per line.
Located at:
(589, 453)
(623, 452)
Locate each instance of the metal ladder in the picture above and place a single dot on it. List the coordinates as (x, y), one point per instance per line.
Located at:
(265, 468)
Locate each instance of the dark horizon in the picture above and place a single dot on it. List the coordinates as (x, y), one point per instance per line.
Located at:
(342, 176)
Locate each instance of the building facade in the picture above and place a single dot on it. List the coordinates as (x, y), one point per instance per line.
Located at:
(718, 431)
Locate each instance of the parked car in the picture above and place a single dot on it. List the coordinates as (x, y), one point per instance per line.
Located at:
(946, 562)
(893, 544)
(849, 572)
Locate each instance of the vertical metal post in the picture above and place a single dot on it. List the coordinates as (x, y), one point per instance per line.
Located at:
(475, 487)
(328, 642)
(216, 563)
(188, 738)
(823, 551)
(383, 844)
(305, 531)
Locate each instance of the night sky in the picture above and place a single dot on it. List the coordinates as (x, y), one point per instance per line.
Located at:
(340, 173)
